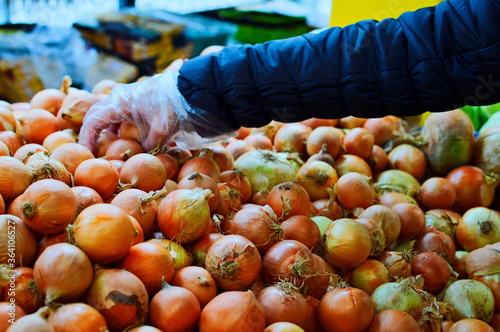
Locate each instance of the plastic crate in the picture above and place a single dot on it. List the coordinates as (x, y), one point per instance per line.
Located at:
(258, 27)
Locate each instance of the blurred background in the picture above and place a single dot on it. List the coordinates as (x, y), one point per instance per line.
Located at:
(41, 41)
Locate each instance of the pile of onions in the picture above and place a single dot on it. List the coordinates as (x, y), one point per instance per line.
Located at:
(120, 297)
(174, 308)
(234, 262)
(184, 215)
(48, 206)
(62, 273)
(103, 223)
(219, 314)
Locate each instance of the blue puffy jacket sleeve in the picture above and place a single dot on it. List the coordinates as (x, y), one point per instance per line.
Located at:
(434, 59)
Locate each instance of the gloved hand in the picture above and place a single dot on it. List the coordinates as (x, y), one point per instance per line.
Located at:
(157, 108)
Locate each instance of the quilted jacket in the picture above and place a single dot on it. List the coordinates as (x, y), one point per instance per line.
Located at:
(433, 59)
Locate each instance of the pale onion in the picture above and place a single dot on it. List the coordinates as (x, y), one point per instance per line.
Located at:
(346, 163)
(203, 181)
(377, 236)
(77, 317)
(347, 243)
(369, 275)
(18, 243)
(387, 219)
(63, 273)
(120, 297)
(12, 140)
(50, 99)
(98, 174)
(470, 299)
(151, 263)
(396, 180)
(104, 232)
(470, 324)
(220, 314)
(27, 150)
(478, 227)
(234, 262)
(184, 215)
(44, 167)
(8, 312)
(398, 295)
(37, 321)
(15, 177)
(283, 327)
(265, 169)
(48, 206)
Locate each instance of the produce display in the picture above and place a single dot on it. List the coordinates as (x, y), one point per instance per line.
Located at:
(324, 225)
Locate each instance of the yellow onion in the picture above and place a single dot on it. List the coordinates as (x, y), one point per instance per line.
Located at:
(75, 106)
(386, 218)
(184, 214)
(151, 263)
(396, 180)
(85, 197)
(264, 169)
(399, 296)
(347, 243)
(36, 124)
(478, 227)
(15, 177)
(8, 312)
(77, 317)
(49, 99)
(182, 257)
(174, 309)
(120, 297)
(17, 244)
(220, 314)
(369, 275)
(44, 167)
(104, 232)
(57, 139)
(317, 178)
(470, 299)
(98, 174)
(48, 206)
(62, 273)
(234, 262)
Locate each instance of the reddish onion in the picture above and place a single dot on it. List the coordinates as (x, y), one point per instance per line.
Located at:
(171, 165)
(200, 247)
(433, 268)
(25, 293)
(436, 193)
(412, 220)
(292, 137)
(393, 320)
(378, 159)
(345, 309)
(182, 257)
(203, 163)
(383, 129)
(197, 280)
(410, 159)
(397, 263)
(359, 142)
(85, 197)
(437, 242)
(288, 199)
(355, 190)
(237, 180)
(282, 302)
(219, 314)
(8, 312)
(12, 140)
(303, 229)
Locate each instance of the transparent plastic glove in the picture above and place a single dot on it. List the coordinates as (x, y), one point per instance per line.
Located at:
(157, 108)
